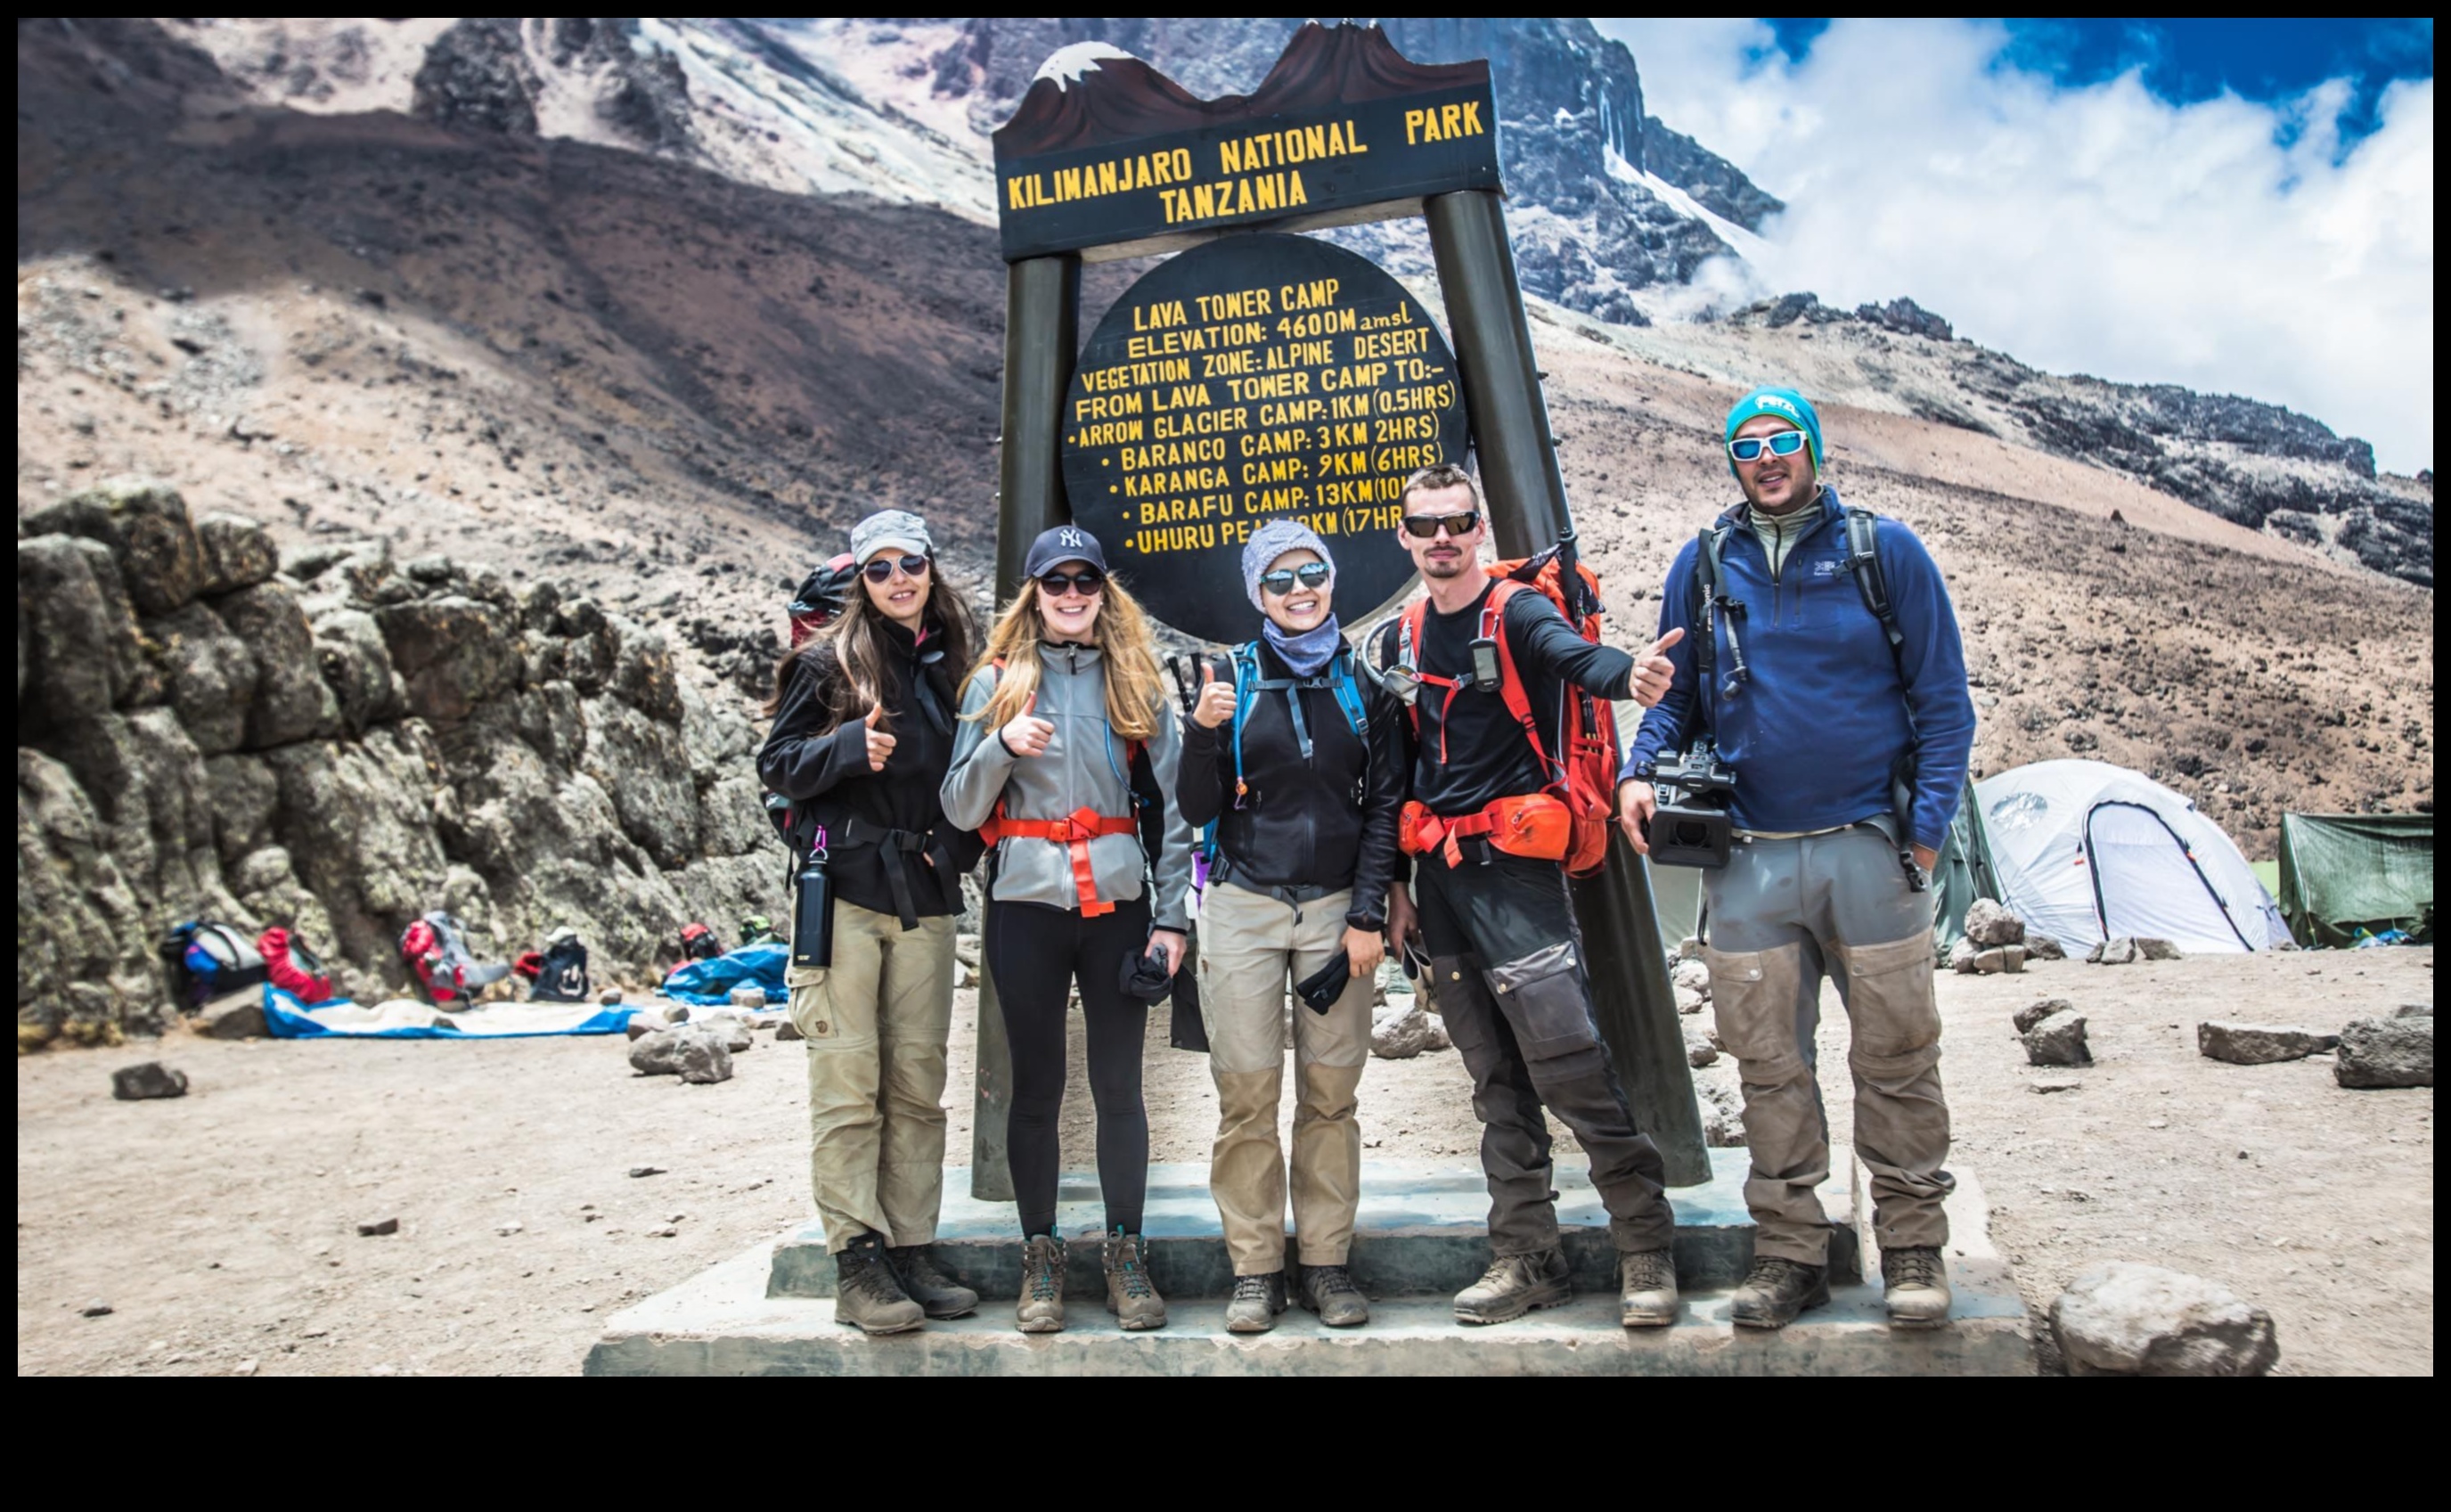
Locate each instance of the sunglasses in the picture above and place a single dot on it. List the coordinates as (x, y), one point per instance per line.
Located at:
(1425, 527)
(1056, 584)
(882, 568)
(1778, 444)
(1310, 574)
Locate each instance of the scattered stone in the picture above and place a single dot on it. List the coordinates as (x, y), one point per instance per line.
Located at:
(1689, 948)
(2122, 1317)
(664, 1232)
(1699, 1048)
(750, 998)
(2259, 1044)
(1990, 924)
(2413, 1011)
(2119, 951)
(379, 1227)
(2157, 949)
(610, 998)
(2035, 1013)
(2043, 947)
(1723, 1112)
(1689, 1001)
(1989, 961)
(2387, 1052)
(691, 1052)
(131, 1083)
(2048, 1088)
(641, 1026)
(97, 1309)
(1693, 976)
(1438, 1034)
(646, 1170)
(1961, 956)
(734, 1034)
(786, 1030)
(1398, 1035)
(2058, 1040)
(509, 1229)
(235, 1016)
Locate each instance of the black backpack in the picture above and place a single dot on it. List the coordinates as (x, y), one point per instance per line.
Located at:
(562, 976)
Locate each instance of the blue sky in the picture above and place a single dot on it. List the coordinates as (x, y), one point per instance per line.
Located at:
(2242, 206)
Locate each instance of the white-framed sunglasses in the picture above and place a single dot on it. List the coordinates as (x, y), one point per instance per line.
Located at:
(1778, 444)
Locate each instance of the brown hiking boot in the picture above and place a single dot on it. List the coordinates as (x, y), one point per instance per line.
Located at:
(1329, 1292)
(1646, 1293)
(1255, 1301)
(1041, 1307)
(867, 1296)
(1776, 1291)
(937, 1294)
(1915, 1284)
(1513, 1285)
(1130, 1296)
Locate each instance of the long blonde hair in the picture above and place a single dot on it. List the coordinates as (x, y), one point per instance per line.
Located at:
(1135, 697)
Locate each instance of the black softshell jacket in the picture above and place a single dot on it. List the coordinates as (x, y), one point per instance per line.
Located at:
(824, 772)
(1330, 821)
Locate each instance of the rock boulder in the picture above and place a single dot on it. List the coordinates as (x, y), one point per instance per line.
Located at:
(2126, 1319)
(2387, 1052)
(238, 553)
(1988, 924)
(2058, 1040)
(2259, 1044)
(2034, 1013)
(145, 526)
(689, 1051)
(147, 1079)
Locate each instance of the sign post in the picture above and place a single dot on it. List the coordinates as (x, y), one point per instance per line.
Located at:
(1262, 376)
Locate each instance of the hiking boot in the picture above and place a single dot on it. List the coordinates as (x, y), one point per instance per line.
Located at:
(1646, 1292)
(937, 1294)
(1915, 1287)
(1329, 1292)
(1513, 1285)
(1776, 1291)
(1041, 1307)
(1255, 1301)
(1130, 1296)
(867, 1296)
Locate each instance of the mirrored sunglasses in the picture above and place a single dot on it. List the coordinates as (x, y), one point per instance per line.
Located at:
(1280, 582)
(882, 568)
(1780, 443)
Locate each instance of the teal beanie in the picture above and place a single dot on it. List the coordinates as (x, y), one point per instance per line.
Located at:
(1785, 404)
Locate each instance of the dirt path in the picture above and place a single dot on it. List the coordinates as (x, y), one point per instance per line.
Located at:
(221, 1227)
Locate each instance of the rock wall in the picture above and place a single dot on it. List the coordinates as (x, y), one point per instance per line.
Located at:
(336, 743)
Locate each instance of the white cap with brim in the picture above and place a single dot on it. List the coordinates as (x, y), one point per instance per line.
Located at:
(891, 530)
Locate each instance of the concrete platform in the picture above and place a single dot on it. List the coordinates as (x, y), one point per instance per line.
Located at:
(1423, 1228)
(763, 1313)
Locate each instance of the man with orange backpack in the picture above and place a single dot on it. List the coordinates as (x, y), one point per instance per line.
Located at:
(1508, 699)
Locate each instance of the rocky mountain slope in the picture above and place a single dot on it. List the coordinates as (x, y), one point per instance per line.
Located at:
(658, 381)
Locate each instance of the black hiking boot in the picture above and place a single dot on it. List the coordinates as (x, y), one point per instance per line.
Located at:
(866, 1295)
(1255, 1301)
(1513, 1285)
(1329, 1292)
(937, 1294)
(1776, 1291)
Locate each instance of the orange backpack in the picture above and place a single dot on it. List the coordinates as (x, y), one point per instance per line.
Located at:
(1582, 772)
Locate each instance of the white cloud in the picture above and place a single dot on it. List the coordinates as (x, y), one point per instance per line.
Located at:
(2096, 230)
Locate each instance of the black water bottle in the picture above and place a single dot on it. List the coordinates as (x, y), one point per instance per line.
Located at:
(813, 910)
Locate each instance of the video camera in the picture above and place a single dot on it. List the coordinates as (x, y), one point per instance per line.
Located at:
(1690, 826)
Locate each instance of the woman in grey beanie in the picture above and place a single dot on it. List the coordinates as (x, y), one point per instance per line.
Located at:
(1295, 754)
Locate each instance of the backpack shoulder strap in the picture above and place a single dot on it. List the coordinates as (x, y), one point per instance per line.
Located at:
(1342, 680)
(1243, 662)
(1702, 608)
(1510, 690)
(1864, 562)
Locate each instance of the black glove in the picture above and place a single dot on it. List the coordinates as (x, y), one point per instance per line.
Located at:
(1320, 990)
(1146, 977)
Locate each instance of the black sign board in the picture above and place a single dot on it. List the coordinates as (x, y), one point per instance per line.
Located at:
(1106, 151)
(1254, 377)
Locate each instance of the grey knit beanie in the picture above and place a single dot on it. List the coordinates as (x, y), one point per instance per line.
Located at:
(1274, 540)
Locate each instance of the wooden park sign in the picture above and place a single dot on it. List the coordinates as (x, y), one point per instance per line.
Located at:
(1258, 373)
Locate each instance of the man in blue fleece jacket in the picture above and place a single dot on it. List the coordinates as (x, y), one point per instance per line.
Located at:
(1814, 711)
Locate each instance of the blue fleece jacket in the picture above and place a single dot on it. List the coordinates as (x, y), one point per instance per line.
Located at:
(1812, 733)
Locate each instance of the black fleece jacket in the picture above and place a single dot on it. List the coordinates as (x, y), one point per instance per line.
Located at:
(823, 770)
(1330, 821)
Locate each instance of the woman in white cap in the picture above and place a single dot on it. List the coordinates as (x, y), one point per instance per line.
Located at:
(862, 736)
(1299, 760)
(1068, 702)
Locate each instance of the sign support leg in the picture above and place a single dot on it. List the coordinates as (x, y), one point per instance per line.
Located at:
(1042, 332)
(1527, 505)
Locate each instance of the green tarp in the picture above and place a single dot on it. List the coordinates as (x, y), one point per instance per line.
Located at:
(2343, 873)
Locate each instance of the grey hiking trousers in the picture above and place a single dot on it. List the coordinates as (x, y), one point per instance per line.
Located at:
(1783, 914)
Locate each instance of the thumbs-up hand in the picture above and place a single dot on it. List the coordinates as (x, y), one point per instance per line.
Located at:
(1216, 704)
(1025, 733)
(880, 744)
(1652, 671)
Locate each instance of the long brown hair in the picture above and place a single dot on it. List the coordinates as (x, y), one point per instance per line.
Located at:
(848, 655)
(1135, 697)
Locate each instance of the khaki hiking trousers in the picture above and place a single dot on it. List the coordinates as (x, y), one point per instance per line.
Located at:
(1253, 948)
(1783, 914)
(876, 1021)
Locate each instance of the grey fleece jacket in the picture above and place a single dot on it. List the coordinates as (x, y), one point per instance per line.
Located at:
(1084, 766)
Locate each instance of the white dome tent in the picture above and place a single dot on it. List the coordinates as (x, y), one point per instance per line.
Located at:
(2086, 851)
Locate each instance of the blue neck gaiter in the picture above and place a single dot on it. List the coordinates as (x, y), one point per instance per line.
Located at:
(1307, 654)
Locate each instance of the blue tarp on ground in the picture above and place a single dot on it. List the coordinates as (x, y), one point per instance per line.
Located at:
(339, 1018)
(709, 984)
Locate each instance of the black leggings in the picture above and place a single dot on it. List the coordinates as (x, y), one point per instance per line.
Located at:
(1036, 951)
